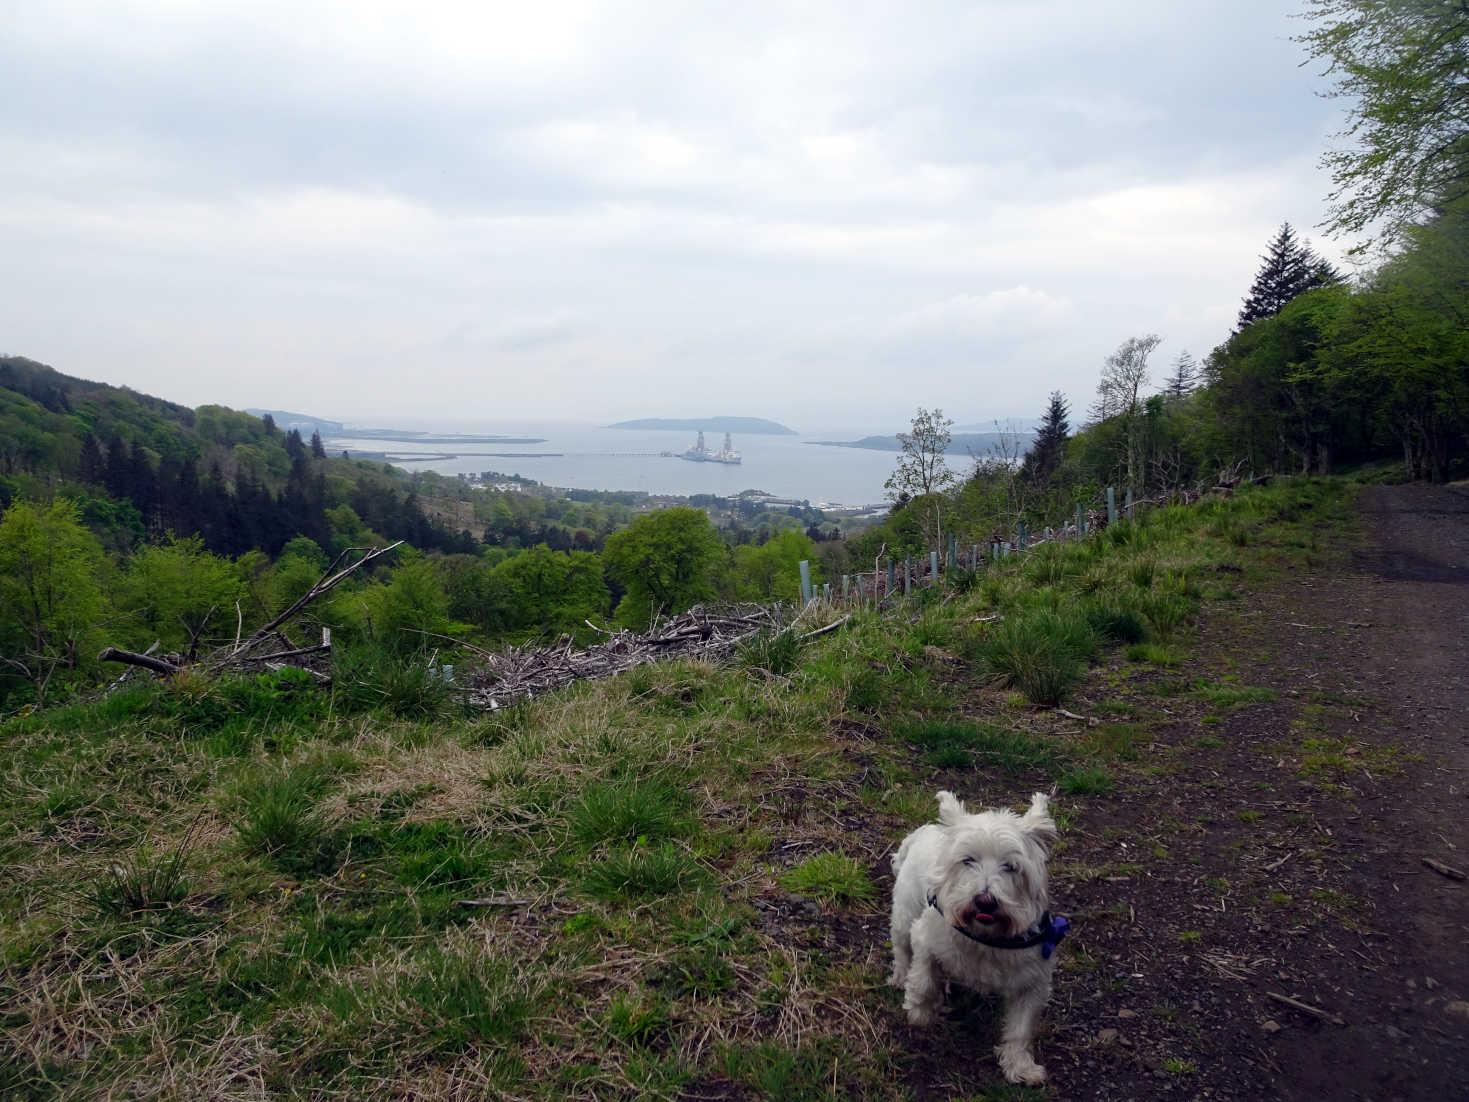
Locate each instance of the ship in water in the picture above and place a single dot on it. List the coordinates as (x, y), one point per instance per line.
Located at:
(700, 454)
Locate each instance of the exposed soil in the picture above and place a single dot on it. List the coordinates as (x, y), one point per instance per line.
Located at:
(1331, 794)
(1262, 850)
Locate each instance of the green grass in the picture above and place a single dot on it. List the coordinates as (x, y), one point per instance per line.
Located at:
(627, 848)
(1086, 781)
(964, 743)
(775, 653)
(1232, 695)
(1043, 654)
(630, 808)
(831, 878)
(638, 872)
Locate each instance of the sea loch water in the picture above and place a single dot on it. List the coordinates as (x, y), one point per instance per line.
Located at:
(594, 457)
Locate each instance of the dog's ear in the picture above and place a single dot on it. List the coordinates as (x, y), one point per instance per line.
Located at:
(1037, 822)
(951, 809)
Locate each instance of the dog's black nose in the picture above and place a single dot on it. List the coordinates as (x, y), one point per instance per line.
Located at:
(986, 902)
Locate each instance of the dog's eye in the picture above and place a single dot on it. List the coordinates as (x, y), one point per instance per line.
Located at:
(1008, 866)
(968, 861)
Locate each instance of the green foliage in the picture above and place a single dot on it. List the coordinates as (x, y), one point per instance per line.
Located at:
(51, 598)
(666, 561)
(175, 591)
(830, 878)
(771, 572)
(1406, 143)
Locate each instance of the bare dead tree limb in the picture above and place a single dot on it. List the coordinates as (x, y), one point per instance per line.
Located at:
(328, 581)
(133, 658)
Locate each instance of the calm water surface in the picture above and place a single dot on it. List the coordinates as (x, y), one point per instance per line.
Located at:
(598, 458)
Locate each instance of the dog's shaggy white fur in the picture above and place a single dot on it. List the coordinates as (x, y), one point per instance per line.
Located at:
(983, 874)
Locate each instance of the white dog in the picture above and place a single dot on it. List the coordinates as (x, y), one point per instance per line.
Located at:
(969, 905)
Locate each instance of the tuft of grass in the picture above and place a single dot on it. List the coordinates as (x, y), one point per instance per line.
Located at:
(1233, 695)
(1086, 781)
(1115, 622)
(273, 809)
(778, 653)
(639, 872)
(1154, 653)
(369, 678)
(1142, 572)
(466, 1000)
(1040, 653)
(140, 882)
(637, 1019)
(1167, 611)
(629, 808)
(830, 878)
(956, 743)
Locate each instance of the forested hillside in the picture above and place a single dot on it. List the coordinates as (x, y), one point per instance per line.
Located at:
(131, 521)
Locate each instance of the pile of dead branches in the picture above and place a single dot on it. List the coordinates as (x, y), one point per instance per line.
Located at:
(521, 672)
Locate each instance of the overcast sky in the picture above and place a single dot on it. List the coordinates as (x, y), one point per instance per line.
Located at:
(824, 213)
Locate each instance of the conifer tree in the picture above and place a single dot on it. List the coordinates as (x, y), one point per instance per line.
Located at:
(1287, 270)
(1184, 378)
(1050, 441)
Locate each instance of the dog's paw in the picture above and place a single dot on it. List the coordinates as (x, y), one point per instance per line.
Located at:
(1019, 1066)
(921, 1016)
(899, 978)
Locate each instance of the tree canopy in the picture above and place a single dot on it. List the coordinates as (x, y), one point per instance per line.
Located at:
(1405, 149)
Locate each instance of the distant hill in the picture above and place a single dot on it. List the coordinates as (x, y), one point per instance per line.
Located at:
(303, 423)
(139, 467)
(963, 443)
(750, 426)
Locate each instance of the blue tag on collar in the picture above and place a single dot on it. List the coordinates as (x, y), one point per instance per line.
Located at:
(1054, 933)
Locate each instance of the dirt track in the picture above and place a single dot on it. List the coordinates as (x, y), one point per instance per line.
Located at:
(1277, 847)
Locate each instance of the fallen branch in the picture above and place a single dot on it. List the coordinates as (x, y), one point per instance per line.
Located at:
(298, 652)
(1306, 1008)
(829, 627)
(328, 581)
(1445, 870)
(133, 658)
(492, 901)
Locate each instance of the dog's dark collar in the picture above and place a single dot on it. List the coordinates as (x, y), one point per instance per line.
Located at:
(1047, 936)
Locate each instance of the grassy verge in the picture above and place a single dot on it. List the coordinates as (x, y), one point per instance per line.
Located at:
(668, 882)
